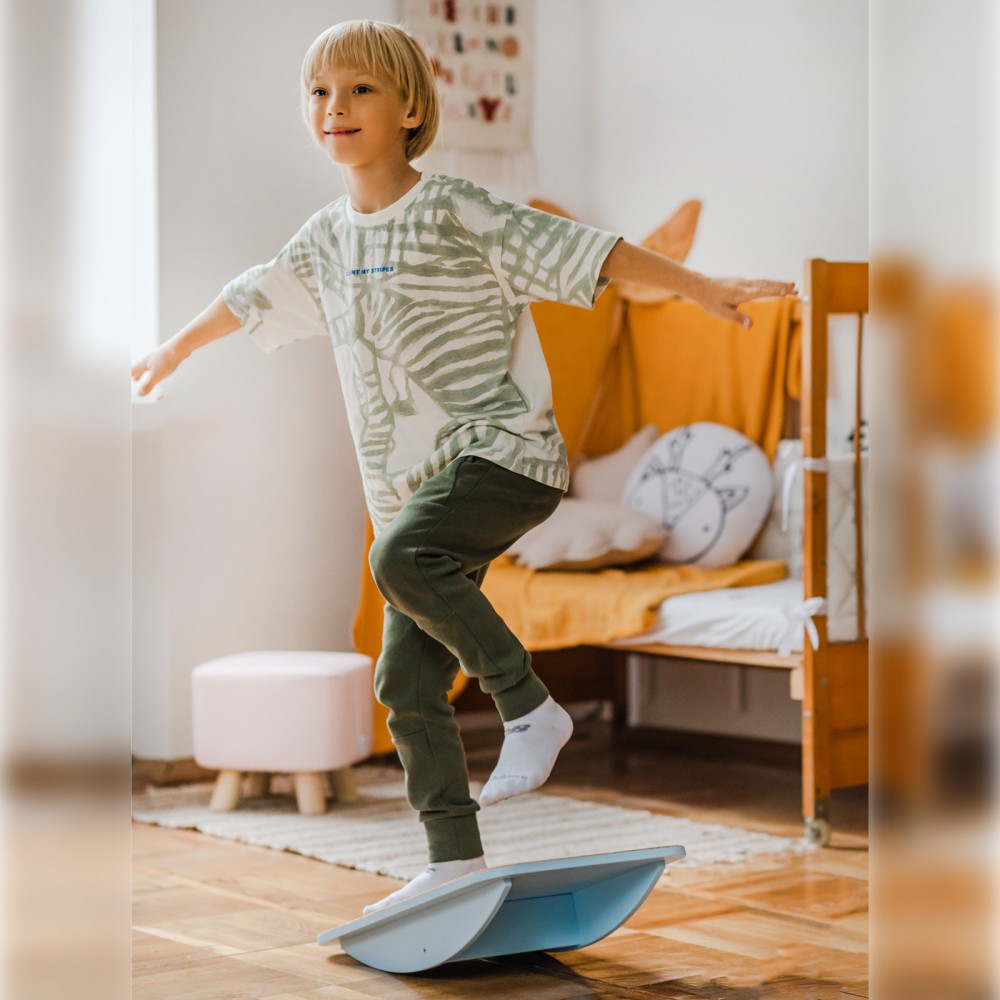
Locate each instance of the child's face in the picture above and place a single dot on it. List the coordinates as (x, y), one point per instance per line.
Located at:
(357, 118)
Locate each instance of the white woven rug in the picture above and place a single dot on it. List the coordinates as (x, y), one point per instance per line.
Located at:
(381, 833)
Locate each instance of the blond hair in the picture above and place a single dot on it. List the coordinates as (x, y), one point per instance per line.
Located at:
(384, 50)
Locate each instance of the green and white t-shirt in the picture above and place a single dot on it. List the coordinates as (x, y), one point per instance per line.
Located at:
(425, 302)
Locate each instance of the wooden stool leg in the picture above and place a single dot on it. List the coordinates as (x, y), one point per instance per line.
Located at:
(227, 791)
(344, 789)
(309, 793)
(258, 784)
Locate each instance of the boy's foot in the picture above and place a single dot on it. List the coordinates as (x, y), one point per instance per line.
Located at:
(530, 747)
(431, 877)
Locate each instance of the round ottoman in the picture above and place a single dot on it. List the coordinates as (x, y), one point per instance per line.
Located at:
(302, 713)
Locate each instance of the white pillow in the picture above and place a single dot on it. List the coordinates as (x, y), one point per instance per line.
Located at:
(781, 537)
(603, 478)
(589, 534)
(710, 486)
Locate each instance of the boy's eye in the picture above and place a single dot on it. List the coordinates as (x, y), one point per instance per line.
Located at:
(361, 88)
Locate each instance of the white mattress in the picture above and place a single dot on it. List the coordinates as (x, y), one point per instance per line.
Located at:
(732, 618)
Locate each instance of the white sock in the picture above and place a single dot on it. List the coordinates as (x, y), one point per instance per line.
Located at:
(431, 877)
(530, 747)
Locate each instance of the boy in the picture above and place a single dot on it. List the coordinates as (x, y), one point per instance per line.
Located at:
(423, 282)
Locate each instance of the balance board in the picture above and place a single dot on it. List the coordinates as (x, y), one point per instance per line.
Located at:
(553, 905)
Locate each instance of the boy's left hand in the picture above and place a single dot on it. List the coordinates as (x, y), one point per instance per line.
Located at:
(721, 296)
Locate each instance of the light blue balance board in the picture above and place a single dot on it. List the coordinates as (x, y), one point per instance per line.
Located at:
(536, 906)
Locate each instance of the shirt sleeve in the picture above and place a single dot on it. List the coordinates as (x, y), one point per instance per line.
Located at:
(549, 257)
(278, 303)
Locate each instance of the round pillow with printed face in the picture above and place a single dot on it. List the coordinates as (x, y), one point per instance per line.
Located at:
(710, 486)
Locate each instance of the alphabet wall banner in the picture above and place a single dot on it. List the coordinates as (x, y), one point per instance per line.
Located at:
(483, 55)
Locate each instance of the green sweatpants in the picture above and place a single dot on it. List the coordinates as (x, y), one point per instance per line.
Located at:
(429, 565)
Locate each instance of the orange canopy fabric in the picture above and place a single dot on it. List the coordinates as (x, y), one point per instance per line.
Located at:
(690, 366)
(673, 364)
(366, 631)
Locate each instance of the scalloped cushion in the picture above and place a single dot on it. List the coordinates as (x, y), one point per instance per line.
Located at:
(603, 478)
(589, 534)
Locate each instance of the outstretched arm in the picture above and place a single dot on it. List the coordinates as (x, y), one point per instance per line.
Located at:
(213, 322)
(718, 296)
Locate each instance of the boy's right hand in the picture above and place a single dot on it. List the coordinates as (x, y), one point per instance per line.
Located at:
(158, 365)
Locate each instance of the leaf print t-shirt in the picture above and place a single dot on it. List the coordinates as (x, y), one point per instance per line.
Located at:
(426, 304)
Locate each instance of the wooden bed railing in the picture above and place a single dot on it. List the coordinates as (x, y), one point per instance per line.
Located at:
(835, 677)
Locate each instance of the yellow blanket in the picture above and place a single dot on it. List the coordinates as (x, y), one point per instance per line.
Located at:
(553, 610)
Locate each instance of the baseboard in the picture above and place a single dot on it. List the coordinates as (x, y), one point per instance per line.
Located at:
(484, 730)
(185, 771)
(170, 772)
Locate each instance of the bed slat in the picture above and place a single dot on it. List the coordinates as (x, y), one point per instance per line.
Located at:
(749, 657)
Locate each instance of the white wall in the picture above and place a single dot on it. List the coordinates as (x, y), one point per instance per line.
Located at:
(248, 509)
(759, 109)
(248, 505)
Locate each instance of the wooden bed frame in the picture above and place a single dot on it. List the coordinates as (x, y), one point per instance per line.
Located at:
(831, 680)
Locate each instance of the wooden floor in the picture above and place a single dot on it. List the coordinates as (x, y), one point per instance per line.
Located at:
(214, 919)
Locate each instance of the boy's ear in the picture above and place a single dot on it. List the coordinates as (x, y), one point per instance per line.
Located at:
(412, 120)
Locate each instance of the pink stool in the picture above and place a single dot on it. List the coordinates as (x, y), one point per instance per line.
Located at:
(300, 713)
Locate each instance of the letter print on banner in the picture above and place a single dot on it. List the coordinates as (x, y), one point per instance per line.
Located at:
(482, 54)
